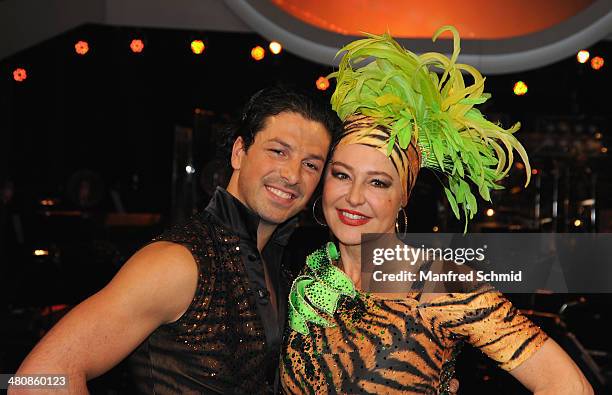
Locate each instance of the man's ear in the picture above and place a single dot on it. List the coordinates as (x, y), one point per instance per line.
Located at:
(238, 152)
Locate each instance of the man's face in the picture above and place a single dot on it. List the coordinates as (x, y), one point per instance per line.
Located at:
(278, 173)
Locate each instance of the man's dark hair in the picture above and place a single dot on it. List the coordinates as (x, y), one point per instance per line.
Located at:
(273, 101)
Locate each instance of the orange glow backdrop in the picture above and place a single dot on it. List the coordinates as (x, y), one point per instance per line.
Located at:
(475, 19)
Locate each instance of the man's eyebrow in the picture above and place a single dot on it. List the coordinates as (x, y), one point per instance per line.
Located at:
(371, 172)
(290, 147)
(281, 142)
(316, 157)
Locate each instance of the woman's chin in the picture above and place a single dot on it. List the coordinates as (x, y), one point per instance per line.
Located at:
(348, 238)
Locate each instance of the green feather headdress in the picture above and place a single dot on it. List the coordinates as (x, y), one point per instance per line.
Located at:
(400, 91)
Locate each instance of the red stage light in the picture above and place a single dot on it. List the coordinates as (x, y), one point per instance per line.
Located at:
(258, 53)
(197, 47)
(597, 62)
(20, 75)
(81, 47)
(322, 83)
(137, 45)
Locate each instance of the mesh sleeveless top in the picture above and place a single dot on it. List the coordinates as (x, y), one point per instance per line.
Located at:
(228, 340)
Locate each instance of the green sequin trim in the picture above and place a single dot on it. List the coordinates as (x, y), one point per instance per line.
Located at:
(319, 288)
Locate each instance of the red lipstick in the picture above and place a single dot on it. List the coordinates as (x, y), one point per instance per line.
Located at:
(352, 221)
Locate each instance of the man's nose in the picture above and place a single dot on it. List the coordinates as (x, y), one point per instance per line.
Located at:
(291, 171)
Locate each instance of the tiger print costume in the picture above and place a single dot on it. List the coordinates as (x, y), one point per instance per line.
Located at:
(404, 346)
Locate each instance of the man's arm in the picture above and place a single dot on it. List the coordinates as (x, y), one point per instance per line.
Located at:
(551, 371)
(154, 287)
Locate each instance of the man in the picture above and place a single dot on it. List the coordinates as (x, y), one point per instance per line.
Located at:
(204, 304)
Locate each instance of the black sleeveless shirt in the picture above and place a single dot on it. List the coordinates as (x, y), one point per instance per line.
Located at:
(228, 340)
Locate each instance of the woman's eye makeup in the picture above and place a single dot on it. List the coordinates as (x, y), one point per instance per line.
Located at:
(377, 182)
(339, 175)
(381, 183)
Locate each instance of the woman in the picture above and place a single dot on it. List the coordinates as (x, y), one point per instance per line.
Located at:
(398, 118)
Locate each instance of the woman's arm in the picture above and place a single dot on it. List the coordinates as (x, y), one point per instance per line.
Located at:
(490, 323)
(551, 371)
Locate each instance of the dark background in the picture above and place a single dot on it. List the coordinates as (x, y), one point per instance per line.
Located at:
(110, 117)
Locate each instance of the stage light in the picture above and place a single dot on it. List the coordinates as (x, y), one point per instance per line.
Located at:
(258, 53)
(189, 169)
(81, 47)
(604, 150)
(41, 252)
(583, 56)
(322, 83)
(197, 47)
(275, 47)
(577, 223)
(597, 62)
(598, 135)
(534, 171)
(137, 45)
(520, 88)
(47, 202)
(20, 75)
(490, 212)
(435, 229)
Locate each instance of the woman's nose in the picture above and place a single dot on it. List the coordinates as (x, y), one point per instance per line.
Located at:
(355, 195)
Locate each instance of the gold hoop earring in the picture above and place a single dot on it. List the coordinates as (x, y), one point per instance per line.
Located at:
(405, 222)
(315, 215)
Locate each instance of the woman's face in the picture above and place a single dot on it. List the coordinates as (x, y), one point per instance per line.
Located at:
(361, 193)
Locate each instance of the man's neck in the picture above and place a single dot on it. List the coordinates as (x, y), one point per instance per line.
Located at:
(264, 232)
(264, 229)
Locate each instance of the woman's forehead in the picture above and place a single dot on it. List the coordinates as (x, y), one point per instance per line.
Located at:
(363, 158)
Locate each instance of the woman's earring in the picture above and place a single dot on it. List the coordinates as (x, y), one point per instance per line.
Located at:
(314, 215)
(405, 222)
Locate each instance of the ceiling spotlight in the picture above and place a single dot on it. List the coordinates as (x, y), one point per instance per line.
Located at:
(137, 45)
(275, 47)
(577, 223)
(197, 47)
(322, 83)
(81, 47)
(597, 62)
(258, 53)
(490, 212)
(583, 56)
(520, 88)
(20, 75)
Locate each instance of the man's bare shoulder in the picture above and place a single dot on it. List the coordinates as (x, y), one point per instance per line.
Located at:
(163, 271)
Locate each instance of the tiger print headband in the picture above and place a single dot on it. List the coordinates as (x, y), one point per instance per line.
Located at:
(361, 129)
(406, 104)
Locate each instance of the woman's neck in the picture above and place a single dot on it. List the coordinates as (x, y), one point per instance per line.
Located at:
(350, 256)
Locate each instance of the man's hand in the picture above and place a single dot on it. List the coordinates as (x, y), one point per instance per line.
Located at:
(453, 387)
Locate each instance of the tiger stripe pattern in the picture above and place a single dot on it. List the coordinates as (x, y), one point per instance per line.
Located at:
(403, 346)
